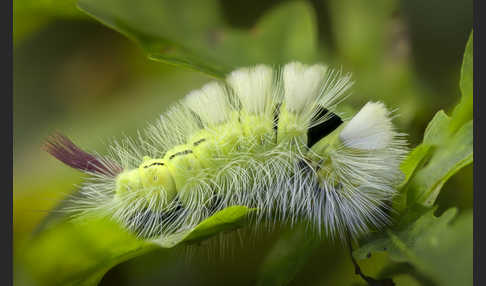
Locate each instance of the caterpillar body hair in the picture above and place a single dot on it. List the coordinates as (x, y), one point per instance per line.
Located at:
(265, 138)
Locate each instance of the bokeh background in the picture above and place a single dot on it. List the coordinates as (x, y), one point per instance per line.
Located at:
(74, 75)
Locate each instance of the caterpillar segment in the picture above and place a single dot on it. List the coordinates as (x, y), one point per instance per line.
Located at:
(265, 138)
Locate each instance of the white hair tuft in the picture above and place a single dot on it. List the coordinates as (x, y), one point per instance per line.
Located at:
(209, 102)
(253, 86)
(369, 129)
(302, 84)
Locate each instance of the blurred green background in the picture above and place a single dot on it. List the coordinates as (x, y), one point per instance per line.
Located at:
(74, 75)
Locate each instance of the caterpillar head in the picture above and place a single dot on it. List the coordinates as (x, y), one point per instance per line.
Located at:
(151, 183)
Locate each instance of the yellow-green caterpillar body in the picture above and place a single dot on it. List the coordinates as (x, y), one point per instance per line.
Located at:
(265, 138)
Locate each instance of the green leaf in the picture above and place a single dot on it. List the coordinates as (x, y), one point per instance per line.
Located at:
(289, 254)
(414, 161)
(81, 252)
(437, 130)
(432, 245)
(440, 250)
(464, 110)
(432, 163)
(228, 219)
(194, 35)
(452, 138)
(448, 159)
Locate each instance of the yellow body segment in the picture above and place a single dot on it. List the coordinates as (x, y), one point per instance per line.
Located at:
(210, 144)
(182, 164)
(127, 182)
(155, 173)
(228, 136)
(207, 149)
(151, 182)
(258, 131)
(291, 127)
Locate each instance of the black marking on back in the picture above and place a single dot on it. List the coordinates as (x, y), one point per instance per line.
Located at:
(185, 152)
(320, 131)
(276, 113)
(153, 164)
(199, 141)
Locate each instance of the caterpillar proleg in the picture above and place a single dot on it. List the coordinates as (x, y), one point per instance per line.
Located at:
(266, 138)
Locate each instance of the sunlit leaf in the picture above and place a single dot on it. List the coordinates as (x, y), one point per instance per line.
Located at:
(437, 130)
(451, 156)
(433, 162)
(227, 219)
(413, 161)
(452, 139)
(419, 238)
(80, 253)
(464, 110)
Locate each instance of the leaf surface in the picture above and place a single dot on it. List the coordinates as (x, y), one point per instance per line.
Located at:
(81, 252)
(439, 249)
(193, 34)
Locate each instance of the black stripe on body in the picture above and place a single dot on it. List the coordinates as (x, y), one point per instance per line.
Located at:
(185, 152)
(276, 113)
(154, 164)
(199, 141)
(320, 131)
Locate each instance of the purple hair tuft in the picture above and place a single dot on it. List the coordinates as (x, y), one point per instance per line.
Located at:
(67, 152)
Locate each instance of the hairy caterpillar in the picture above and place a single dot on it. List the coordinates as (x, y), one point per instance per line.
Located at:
(265, 138)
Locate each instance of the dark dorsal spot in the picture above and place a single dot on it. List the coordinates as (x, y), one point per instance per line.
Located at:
(320, 131)
(185, 152)
(154, 164)
(276, 113)
(199, 142)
